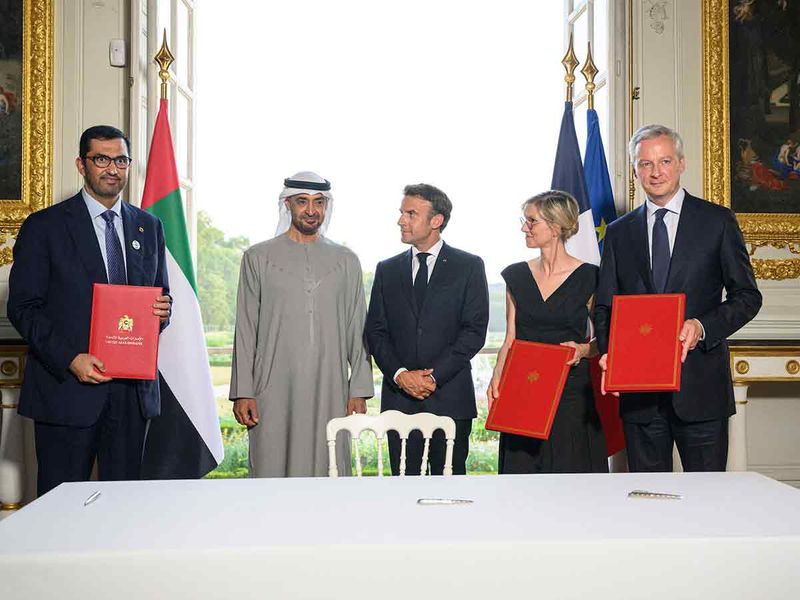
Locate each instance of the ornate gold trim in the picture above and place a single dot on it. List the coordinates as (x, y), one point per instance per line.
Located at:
(746, 380)
(10, 506)
(12, 354)
(759, 229)
(738, 354)
(742, 367)
(37, 119)
(633, 95)
(792, 367)
(716, 102)
(8, 406)
(763, 351)
(9, 367)
(776, 269)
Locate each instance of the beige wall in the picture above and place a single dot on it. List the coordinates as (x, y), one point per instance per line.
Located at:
(86, 91)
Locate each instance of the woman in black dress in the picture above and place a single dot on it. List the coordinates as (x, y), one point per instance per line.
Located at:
(547, 300)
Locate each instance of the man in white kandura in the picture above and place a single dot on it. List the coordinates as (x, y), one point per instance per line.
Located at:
(299, 357)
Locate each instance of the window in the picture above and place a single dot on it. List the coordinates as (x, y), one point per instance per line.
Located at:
(373, 97)
(149, 20)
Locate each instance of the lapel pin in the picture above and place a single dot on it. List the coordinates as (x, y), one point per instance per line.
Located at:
(136, 245)
(141, 229)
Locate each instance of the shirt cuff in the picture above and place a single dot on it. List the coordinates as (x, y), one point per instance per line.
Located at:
(702, 330)
(400, 370)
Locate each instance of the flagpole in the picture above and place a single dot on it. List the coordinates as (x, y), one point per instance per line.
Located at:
(570, 62)
(164, 59)
(185, 441)
(589, 71)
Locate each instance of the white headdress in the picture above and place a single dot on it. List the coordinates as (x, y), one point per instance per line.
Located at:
(304, 182)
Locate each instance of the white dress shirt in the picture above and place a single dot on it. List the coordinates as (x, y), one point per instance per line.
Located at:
(670, 220)
(433, 254)
(95, 210)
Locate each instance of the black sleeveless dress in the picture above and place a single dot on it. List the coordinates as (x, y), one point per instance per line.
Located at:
(576, 443)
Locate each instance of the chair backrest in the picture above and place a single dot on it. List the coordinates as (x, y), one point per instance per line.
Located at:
(392, 420)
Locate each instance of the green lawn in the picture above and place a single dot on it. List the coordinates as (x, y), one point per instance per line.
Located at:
(483, 444)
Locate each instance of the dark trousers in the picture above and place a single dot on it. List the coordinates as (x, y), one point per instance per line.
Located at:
(116, 440)
(436, 450)
(703, 446)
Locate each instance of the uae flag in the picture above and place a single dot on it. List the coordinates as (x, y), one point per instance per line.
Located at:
(185, 441)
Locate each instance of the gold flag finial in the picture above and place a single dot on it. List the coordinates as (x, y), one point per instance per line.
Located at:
(164, 59)
(570, 62)
(589, 71)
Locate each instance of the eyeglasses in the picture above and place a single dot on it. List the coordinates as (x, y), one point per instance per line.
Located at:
(528, 223)
(101, 161)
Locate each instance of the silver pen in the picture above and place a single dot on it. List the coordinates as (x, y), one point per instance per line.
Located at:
(94, 496)
(654, 495)
(442, 501)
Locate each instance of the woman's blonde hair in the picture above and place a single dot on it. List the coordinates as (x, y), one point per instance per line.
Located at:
(557, 208)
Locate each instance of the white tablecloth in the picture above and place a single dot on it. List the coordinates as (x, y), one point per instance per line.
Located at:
(733, 535)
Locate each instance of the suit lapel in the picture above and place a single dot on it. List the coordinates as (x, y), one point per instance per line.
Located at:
(133, 245)
(81, 229)
(681, 250)
(440, 271)
(641, 247)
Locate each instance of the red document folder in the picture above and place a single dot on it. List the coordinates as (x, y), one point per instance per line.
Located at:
(530, 389)
(124, 331)
(644, 353)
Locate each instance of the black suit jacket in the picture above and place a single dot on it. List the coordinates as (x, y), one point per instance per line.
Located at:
(444, 335)
(57, 259)
(709, 256)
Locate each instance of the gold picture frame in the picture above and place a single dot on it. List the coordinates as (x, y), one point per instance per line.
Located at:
(778, 230)
(35, 104)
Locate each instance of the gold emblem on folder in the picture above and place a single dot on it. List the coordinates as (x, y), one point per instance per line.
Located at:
(125, 323)
(533, 376)
(645, 328)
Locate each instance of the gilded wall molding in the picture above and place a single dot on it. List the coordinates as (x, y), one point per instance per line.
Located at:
(760, 229)
(776, 270)
(716, 100)
(37, 118)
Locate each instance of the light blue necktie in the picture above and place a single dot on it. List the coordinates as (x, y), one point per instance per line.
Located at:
(115, 261)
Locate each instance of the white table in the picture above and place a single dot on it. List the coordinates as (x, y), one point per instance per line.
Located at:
(733, 535)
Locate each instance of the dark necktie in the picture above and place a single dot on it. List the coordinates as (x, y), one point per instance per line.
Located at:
(421, 280)
(660, 251)
(114, 260)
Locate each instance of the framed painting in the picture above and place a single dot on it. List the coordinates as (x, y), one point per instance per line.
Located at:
(26, 124)
(751, 137)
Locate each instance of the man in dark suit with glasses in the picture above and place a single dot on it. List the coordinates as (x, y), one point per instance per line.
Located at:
(81, 414)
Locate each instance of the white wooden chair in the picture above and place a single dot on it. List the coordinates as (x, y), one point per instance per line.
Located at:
(392, 420)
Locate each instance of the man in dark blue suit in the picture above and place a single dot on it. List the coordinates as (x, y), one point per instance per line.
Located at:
(675, 243)
(60, 252)
(427, 318)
